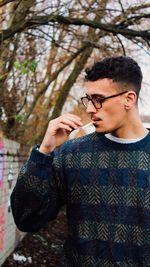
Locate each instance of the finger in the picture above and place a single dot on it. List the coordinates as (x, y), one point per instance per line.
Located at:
(72, 117)
(73, 124)
(64, 127)
(75, 120)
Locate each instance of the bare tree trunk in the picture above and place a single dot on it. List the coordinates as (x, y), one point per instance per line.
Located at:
(65, 89)
(19, 10)
(79, 65)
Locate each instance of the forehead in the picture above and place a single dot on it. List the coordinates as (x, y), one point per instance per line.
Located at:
(103, 87)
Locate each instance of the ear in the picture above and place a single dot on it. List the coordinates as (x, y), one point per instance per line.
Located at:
(131, 99)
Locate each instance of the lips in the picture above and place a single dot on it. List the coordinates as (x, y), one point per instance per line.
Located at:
(95, 119)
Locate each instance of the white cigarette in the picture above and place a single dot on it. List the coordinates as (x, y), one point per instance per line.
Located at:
(84, 128)
(86, 125)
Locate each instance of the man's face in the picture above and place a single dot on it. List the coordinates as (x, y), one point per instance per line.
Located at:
(112, 115)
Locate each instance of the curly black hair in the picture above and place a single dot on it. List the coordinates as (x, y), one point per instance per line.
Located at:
(121, 69)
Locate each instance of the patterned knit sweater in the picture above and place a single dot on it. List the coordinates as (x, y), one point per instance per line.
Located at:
(106, 187)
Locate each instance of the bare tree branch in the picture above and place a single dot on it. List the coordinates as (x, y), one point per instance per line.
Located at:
(45, 20)
(5, 2)
(53, 77)
(131, 21)
(121, 43)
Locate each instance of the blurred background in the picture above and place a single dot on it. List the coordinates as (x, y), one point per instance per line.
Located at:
(45, 47)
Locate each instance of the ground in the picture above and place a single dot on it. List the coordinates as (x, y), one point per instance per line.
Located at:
(44, 247)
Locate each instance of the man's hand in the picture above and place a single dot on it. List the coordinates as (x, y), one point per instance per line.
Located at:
(58, 131)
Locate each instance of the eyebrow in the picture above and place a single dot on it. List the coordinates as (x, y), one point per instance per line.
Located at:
(99, 95)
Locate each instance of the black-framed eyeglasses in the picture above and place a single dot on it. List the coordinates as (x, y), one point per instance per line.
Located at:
(97, 100)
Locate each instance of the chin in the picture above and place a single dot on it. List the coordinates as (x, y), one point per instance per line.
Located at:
(101, 130)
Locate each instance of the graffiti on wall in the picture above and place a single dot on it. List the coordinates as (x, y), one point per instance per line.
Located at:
(10, 183)
(1, 162)
(2, 195)
(12, 156)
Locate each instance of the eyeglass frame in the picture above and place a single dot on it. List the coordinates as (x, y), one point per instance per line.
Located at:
(101, 100)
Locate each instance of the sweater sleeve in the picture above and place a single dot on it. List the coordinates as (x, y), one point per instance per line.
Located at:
(38, 194)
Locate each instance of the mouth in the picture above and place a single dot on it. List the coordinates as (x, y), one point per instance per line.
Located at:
(96, 121)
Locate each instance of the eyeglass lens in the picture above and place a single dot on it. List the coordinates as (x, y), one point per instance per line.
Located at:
(96, 101)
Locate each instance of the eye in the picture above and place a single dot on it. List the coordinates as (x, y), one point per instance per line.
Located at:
(97, 99)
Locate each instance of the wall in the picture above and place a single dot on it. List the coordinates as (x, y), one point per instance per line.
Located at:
(12, 156)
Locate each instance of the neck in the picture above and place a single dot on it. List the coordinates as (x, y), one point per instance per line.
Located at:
(132, 128)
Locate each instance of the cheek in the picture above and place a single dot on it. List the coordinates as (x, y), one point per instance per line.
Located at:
(113, 114)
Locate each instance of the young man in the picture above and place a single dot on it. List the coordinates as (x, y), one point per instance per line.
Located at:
(103, 178)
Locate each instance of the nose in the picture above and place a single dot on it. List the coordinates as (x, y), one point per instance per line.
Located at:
(90, 108)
